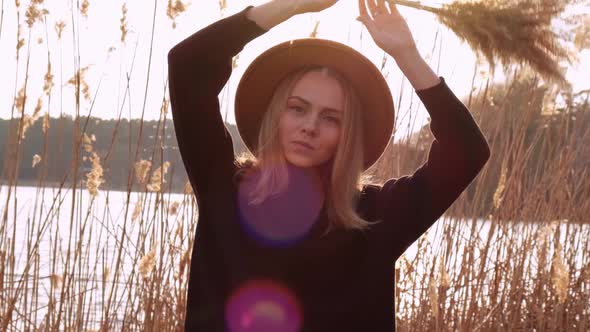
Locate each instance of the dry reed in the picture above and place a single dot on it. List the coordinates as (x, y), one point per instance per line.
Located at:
(511, 32)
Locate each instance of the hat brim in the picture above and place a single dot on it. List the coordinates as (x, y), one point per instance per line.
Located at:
(258, 82)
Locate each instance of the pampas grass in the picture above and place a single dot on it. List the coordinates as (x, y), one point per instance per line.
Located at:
(511, 32)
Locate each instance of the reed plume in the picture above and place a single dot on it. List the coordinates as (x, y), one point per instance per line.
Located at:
(511, 32)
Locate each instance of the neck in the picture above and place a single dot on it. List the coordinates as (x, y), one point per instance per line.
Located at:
(319, 175)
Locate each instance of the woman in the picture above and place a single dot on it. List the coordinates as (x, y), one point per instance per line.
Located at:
(292, 239)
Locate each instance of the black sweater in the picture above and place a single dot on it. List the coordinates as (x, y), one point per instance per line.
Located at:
(343, 281)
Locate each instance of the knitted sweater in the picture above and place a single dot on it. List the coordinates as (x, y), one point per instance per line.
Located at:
(343, 281)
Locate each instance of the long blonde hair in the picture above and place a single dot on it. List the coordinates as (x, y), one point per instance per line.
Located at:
(343, 176)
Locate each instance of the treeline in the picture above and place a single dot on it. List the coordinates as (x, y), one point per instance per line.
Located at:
(118, 143)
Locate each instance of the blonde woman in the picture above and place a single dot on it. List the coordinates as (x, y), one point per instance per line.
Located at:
(293, 237)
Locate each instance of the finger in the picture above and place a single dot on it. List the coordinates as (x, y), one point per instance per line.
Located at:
(393, 8)
(382, 8)
(373, 9)
(362, 8)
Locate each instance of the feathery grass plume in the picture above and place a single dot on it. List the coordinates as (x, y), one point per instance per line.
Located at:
(164, 107)
(21, 98)
(45, 122)
(433, 296)
(48, 80)
(94, 177)
(175, 7)
(158, 177)
(33, 14)
(174, 208)
(184, 262)
(142, 168)
(188, 188)
(147, 263)
(20, 42)
(28, 121)
(84, 8)
(559, 274)
(37, 110)
(544, 233)
(55, 280)
(179, 230)
(542, 246)
(36, 160)
(85, 87)
(87, 143)
(511, 31)
(26, 124)
(222, 5)
(137, 208)
(582, 37)
(499, 193)
(123, 26)
(59, 28)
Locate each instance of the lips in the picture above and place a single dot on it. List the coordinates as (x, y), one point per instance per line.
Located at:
(303, 144)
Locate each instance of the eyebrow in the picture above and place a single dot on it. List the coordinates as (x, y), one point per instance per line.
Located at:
(308, 103)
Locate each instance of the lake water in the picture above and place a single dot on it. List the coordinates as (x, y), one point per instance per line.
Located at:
(49, 228)
(54, 235)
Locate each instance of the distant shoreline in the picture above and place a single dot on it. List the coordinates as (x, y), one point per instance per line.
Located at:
(34, 184)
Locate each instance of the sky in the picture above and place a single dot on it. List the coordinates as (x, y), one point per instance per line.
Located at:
(106, 76)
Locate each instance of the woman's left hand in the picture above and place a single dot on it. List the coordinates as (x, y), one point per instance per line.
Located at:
(387, 27)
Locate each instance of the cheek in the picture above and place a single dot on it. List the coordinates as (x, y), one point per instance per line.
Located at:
(332, 138)
(283, 127)
(285, 131)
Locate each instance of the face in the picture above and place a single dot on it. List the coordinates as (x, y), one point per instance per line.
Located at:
(310, 124)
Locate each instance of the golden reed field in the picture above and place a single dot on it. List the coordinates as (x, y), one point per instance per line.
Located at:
(80, 251)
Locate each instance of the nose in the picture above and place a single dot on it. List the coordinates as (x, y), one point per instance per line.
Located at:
(310, 125)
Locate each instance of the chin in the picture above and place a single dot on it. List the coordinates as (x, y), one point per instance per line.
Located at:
(301, 162)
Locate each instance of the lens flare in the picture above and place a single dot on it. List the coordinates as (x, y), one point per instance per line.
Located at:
(283, 219)
(263, 306)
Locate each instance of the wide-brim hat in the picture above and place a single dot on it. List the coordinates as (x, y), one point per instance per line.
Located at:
(258, 83)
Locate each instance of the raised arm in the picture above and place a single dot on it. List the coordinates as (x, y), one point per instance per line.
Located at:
(409, 205)
(198, 68)
(457, 154)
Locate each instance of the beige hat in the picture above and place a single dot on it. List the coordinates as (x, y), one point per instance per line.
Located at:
(257, 85)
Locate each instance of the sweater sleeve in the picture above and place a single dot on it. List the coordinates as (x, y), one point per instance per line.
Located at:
(412, 203)
(198, 68)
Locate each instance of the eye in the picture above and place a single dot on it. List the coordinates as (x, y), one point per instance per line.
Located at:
(332, 119)
(296, 108)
